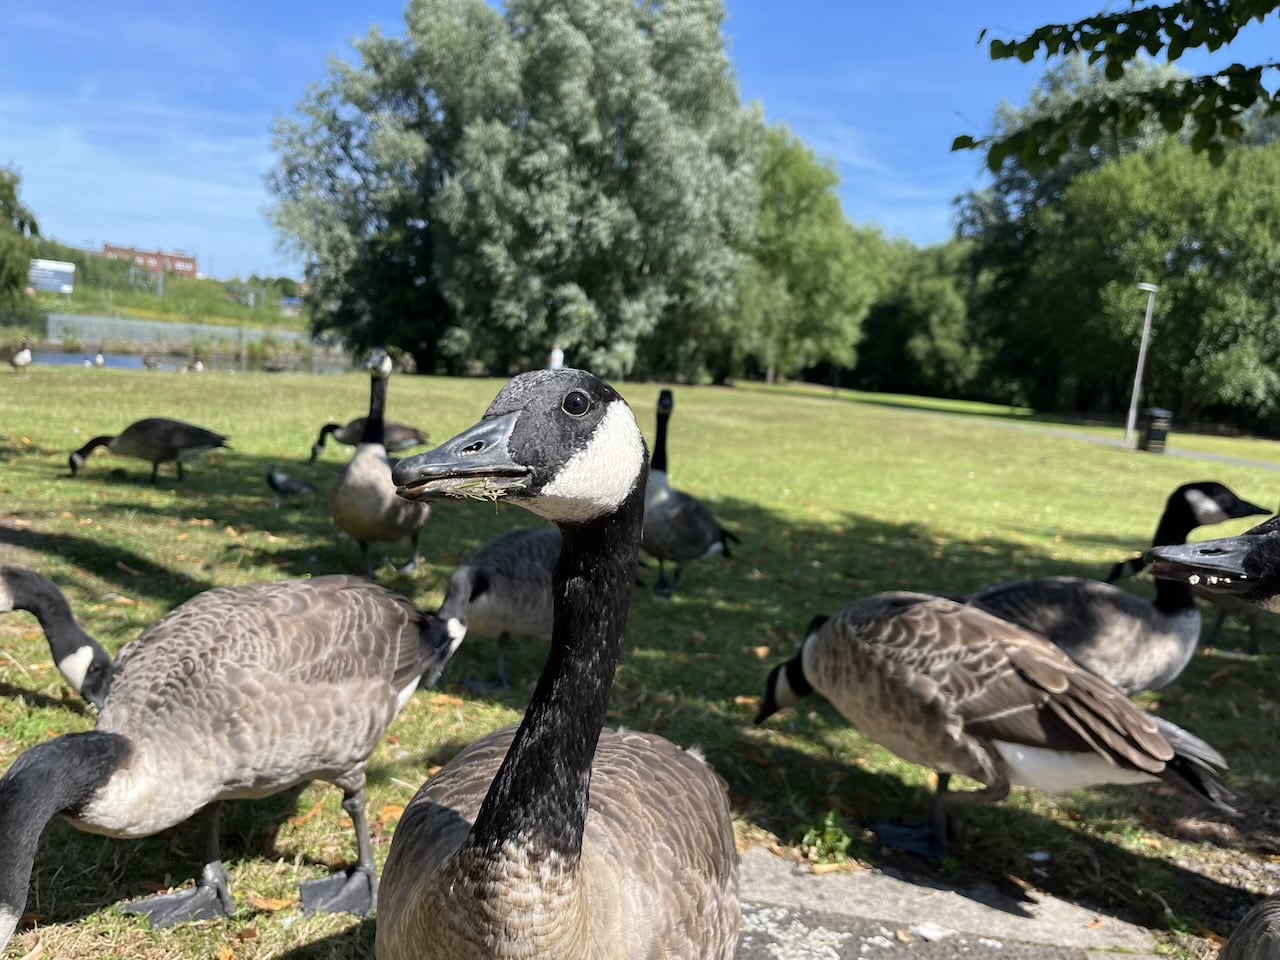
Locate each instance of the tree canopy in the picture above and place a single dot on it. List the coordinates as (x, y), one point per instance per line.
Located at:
(1212, 105)
(17, 228)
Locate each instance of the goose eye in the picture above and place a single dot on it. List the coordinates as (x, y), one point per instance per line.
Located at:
(576, 403)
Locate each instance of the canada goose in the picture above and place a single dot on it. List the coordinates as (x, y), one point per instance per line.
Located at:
(21, 358)
(155, 439)
(677, 526)
(1133, 644)
(80, 658)
(364, 500)
(1246, 567)
(241, 692)
(949, 686)
(287, 487)
(560, 839)
(503, 588)
(396, 436)
(1257, 937)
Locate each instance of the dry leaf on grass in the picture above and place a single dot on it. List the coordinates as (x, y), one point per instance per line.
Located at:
(269, 904)
(300, 820)
(760, 652)
(753, 702)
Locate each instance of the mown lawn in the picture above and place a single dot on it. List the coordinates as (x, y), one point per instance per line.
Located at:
(833, 498)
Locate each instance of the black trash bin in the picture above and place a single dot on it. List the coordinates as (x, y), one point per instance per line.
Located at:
(1154, 429)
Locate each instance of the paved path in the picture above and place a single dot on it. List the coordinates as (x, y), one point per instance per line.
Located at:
(791, 914)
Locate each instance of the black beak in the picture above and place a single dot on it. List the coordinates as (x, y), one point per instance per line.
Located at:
(1246, 509)
(1216, 565)
(476, 464)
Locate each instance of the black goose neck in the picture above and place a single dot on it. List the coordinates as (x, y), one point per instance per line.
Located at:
(539, 796)
(39, 597)
(375, 424)
(659, 459)
(1176, 523)
(793, 669)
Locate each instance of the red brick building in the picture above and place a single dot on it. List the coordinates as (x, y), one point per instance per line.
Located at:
(183, 264)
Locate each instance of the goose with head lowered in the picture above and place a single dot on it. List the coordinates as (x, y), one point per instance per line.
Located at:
(1132, 643)
(560, 840)
(396, 436)
(157, 440)
(951, 687)
(678, 527)
(503, 588)
(239, 693)
(83, 661)
(364, 500)
(21, 358)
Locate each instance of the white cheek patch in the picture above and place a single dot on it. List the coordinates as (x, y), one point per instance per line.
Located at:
(597, 479)
(1205, 508)
(74, 666)
(783, 695)
(6, 597)
(456, 629)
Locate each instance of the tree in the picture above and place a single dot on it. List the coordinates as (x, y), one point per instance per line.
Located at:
(17, 229)
(571, 170)
(1214, 104)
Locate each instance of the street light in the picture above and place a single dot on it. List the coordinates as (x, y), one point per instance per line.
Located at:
(1151, 289)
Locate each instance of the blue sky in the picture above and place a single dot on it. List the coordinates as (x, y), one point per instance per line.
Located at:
(149, 123)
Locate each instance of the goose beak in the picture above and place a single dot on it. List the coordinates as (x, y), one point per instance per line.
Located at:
(476, 465)
(1246, 509)
(1216, 565)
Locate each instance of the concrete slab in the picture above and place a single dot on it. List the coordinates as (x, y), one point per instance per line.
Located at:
(792, 913)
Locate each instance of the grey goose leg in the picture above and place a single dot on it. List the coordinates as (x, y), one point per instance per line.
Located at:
(209, 899)
(663, 588)
(368, 563)
(415, 556)
(354, 890)
(155, 474)
(498, 683)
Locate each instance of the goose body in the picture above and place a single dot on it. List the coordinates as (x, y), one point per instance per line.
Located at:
(83, 661)
(678, 527)
(364, 501)
(1132, 643)
(504, 588)
(1257, 937)
(558, 840)
(396, 436)
(157, 440)
(951, 687)
(287, 487)
(240, 692)
(21, 358)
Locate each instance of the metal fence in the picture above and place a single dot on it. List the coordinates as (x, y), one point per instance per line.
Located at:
(159, 334)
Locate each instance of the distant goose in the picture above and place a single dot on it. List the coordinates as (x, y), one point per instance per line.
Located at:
(287, 487)
(396, 436)
(1132, 643)
(504, 588)
(364, 500)
(241, 692)
(677, 527)
(157, 440)
(560, 839)
(948, 686)
(83, 661)
(21, 359)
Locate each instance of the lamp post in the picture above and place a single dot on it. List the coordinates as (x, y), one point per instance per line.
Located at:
(1151, 289)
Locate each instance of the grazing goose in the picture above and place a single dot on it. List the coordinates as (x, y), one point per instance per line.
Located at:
(81, 659)
(396, 436)
(1258, 935)
(560, 840)
(677, 527)
(504, 588)
(1132, 643)
(21, 358)
(241, 692)
(155, 439)
(364, 500)
(948, 686)
(286, 487)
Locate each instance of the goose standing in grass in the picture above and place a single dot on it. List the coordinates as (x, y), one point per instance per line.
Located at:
(157, 440)
(951, 687)
(241, 692)
(364, 500)
(396, 436)
(677, 527)
(1132, 643)
(504, 588)
(83, 661)
(21, 358)
(560, 840)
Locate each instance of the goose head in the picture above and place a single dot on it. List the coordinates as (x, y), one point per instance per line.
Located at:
(1246, 566)
(380, 364)
(787, 683)
(666, 403)
(561, 443)
(1212, 502)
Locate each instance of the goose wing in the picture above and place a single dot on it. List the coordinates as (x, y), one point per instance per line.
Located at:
(679, 527)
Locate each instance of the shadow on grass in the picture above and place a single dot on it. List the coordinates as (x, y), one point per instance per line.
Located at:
(353, 943)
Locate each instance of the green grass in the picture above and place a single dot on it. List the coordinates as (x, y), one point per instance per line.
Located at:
(833, 499)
